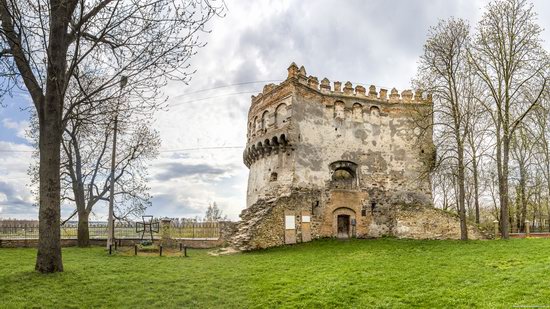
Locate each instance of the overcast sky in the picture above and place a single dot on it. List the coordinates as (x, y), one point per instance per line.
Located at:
(369, 42)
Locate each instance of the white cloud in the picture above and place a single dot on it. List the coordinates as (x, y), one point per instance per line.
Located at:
(372, 42)
(20, 127)
(16, 199)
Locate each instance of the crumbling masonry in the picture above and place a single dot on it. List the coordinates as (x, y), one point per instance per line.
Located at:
(339, 162)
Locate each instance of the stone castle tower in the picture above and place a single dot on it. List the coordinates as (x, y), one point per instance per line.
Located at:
(333, 161)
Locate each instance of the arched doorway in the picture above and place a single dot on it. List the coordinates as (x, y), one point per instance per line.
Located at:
(343, 226)
(343, 223)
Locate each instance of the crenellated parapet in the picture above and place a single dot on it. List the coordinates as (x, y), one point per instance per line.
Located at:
(382, 95)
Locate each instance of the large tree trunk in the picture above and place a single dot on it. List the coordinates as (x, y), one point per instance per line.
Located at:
(48, 259)
(83, 229)
(50, 115)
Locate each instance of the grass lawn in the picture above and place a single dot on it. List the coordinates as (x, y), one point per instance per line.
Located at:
(383, 273)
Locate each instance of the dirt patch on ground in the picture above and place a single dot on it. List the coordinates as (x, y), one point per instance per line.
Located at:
(223, 251)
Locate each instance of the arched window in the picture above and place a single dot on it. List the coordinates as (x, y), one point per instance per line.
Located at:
(255, 124)
(281, 115)
(273, 177)
(344, 175)
(357, 112)
(375, 111)
(339, 109)
(264, 121)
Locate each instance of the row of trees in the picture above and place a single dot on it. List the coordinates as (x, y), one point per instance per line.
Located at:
(213, 213)
(491, 115)
(86, 65)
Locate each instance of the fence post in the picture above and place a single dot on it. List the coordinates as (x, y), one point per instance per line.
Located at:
(496, 228)
(166, 229)
(527, 228)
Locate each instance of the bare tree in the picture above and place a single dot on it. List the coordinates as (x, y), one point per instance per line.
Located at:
(48, 46)
(541, 130)
(478, 145)
(522, 152)
(444, 72)
(514, 68)
(442, 188)
(214, 213)
(86, 164)
(86, 155)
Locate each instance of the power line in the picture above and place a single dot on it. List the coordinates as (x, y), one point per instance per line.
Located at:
(237, 93)
(191, 101)
(213, 97)
(231, 85)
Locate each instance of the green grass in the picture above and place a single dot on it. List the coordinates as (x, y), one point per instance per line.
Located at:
(383, 273)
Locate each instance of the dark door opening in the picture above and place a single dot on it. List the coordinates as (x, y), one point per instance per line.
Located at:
(343, 226)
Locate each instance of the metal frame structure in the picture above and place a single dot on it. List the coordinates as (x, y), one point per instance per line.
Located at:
(147, 226)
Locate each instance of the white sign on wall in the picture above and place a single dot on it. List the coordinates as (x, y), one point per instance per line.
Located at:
(306, 219)
(290, 223)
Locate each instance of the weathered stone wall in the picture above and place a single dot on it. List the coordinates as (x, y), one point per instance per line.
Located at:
(263, 225)
(262, 184)
(343, 159)
(384, 145)
(269, 128)
(227, 231)
(321, 125)
(420, 222)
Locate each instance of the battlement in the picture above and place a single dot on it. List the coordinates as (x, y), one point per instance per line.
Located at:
(299, 75)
